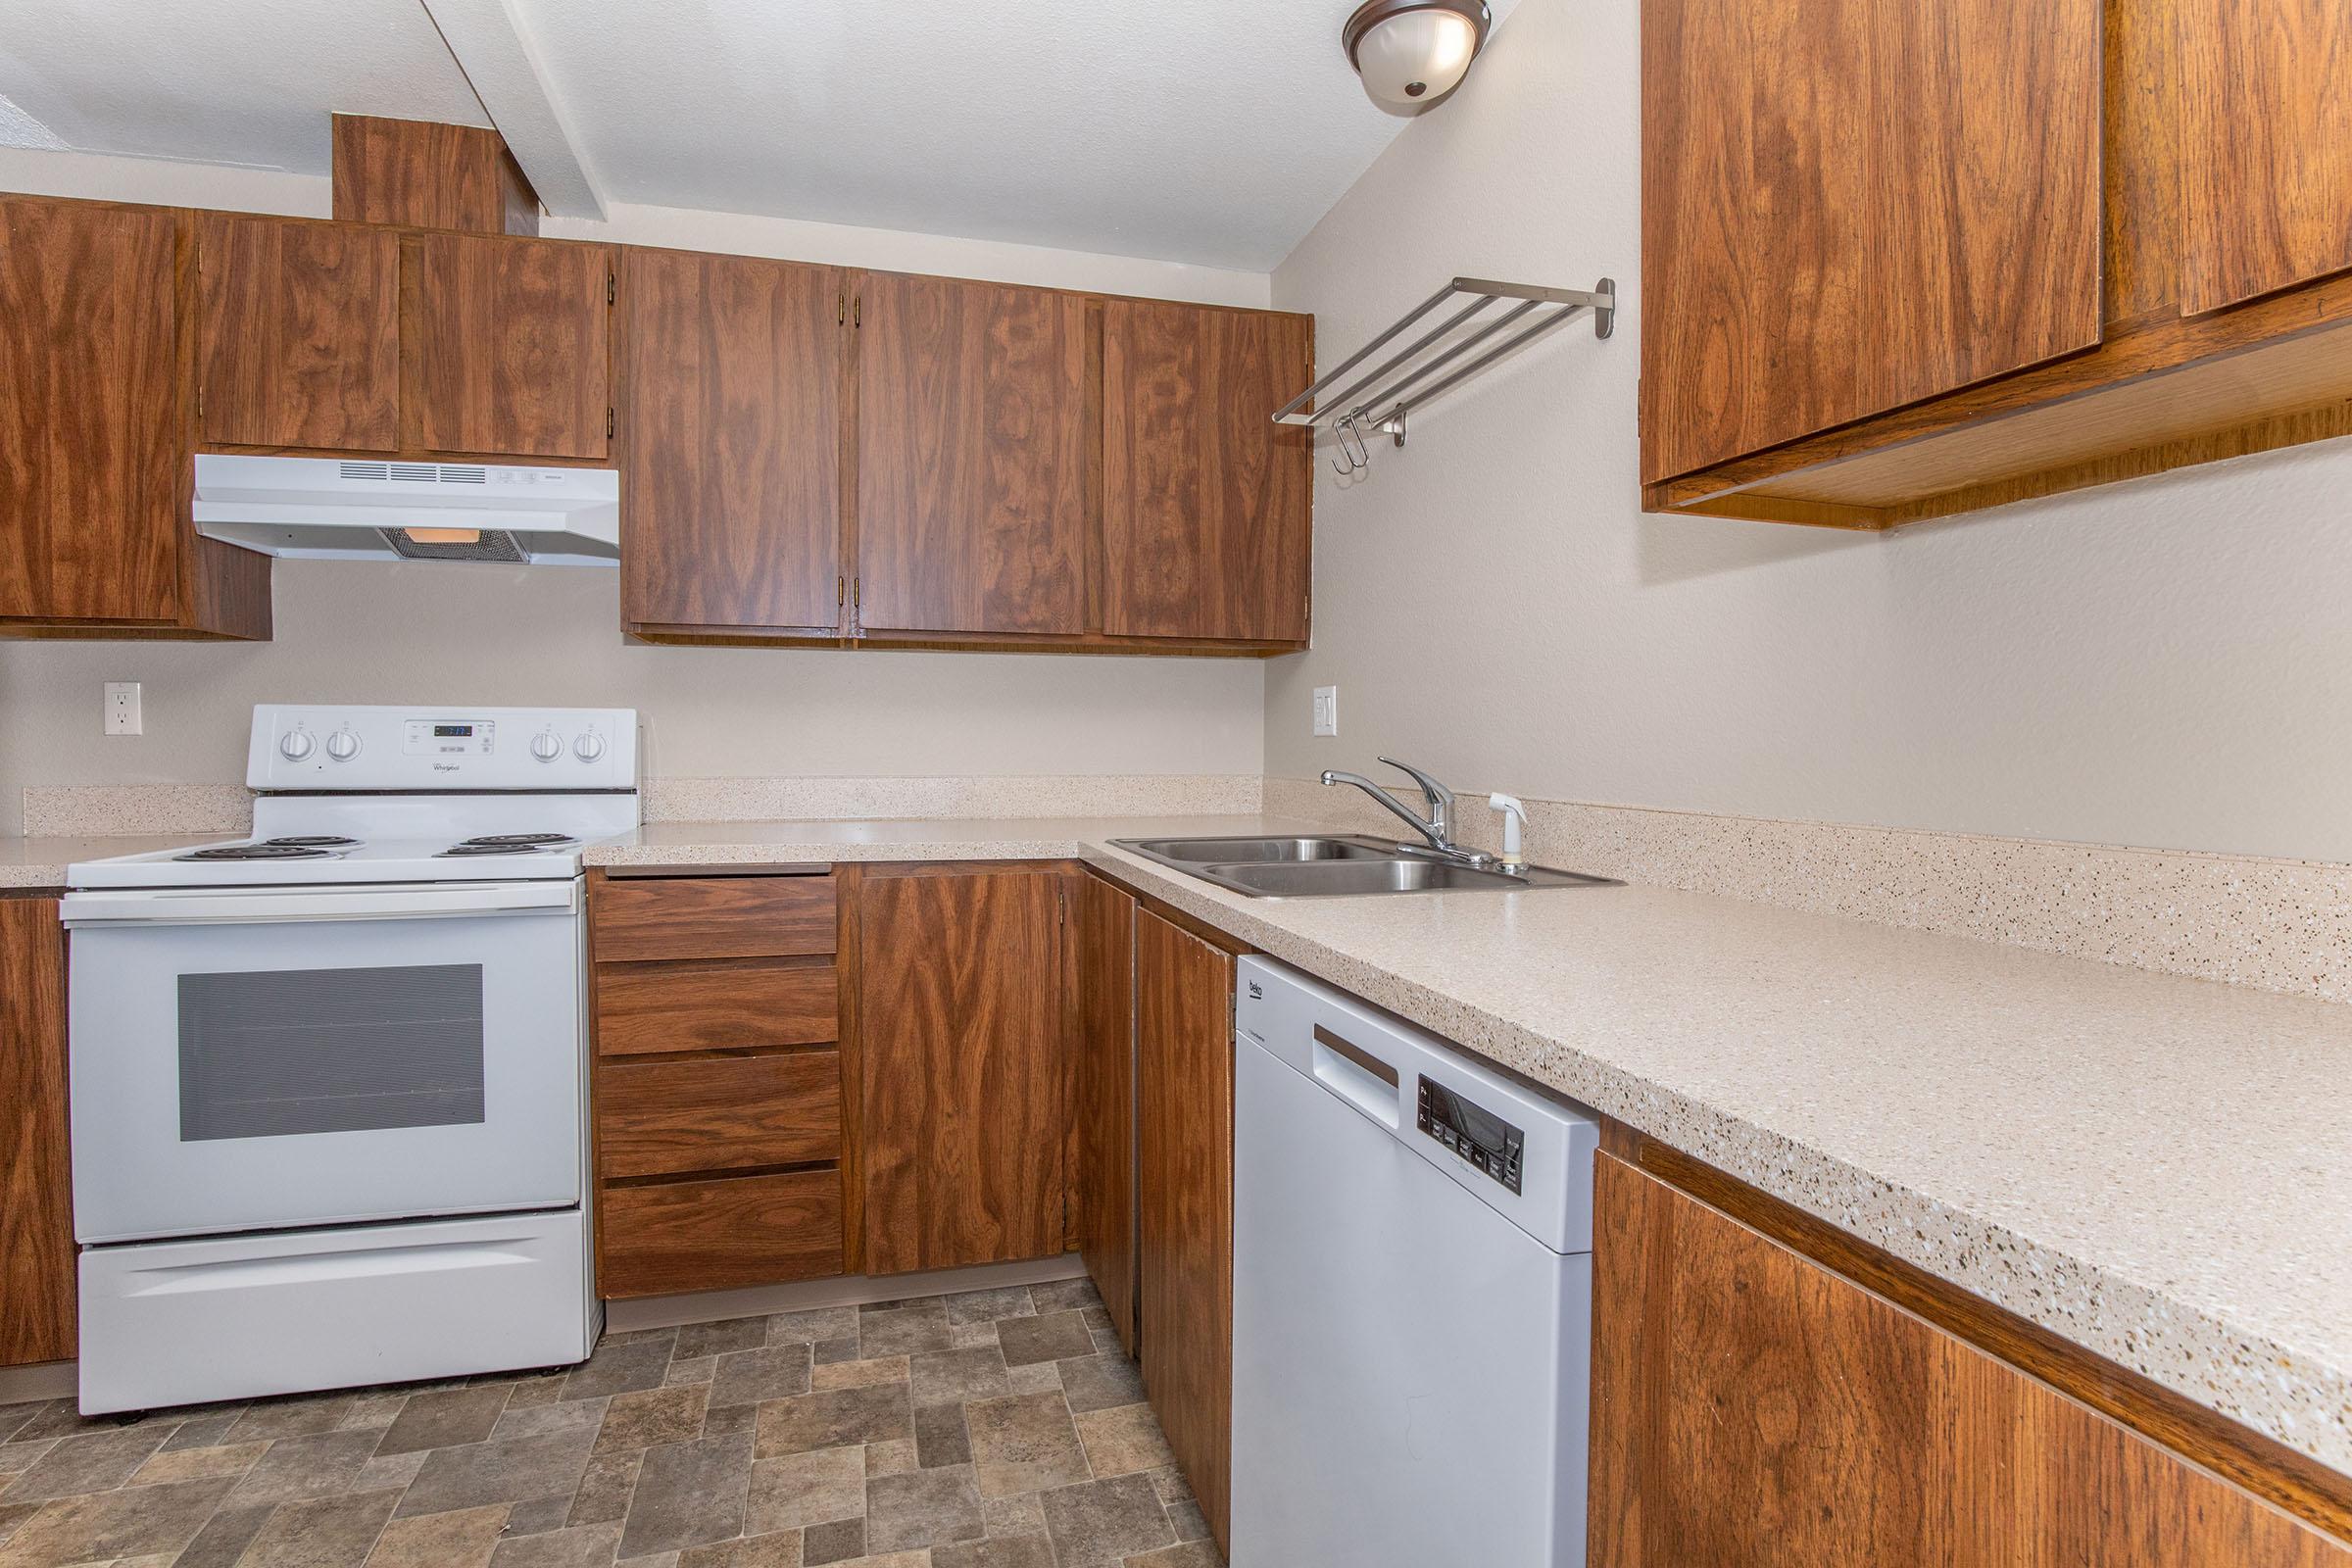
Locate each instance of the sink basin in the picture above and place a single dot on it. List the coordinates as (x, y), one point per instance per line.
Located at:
(1337, 867)
(1230, 851)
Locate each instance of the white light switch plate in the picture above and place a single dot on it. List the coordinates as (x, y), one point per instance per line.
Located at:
(122, 707)
(1327, 710)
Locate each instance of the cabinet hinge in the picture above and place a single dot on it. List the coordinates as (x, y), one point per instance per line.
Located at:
(610, 423)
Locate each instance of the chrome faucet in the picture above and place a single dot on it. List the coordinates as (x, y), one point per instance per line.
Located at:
(1437, 827)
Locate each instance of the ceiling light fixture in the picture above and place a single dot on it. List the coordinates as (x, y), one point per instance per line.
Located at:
(1412, 53)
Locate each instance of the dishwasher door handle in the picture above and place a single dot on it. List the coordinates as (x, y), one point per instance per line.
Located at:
(1357, 1076)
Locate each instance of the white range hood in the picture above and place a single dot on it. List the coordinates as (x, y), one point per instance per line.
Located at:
(342, 509)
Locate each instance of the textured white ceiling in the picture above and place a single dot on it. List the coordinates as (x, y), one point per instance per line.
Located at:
(1212, 131)
(223, 82)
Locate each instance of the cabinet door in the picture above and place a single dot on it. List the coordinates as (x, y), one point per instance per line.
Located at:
(2266, 146)
(36, 1187)
(1853, 205)
(1103, 1103)
(507, 348)
(92, 447)
(1751, 1407)
(300, 336)
(732, 378)
(1204, 500)
(974, 452)
(962, 1026)
(1184, 1177)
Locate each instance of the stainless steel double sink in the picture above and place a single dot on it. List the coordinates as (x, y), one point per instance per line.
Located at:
(1338, 866)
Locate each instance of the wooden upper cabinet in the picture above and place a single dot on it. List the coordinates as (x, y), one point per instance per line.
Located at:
(975, 440)
(2266, 146)
(93, 462)
(1206, 500)
(731, 443)
(1750, 1407)
(300, 333)
(506, 347)
(963, 1024)
(1853, 206)
(1184, 1186)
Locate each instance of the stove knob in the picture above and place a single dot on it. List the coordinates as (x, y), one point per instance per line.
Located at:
(589, 747)
(296, 745)
(342, 746)
(547, 746)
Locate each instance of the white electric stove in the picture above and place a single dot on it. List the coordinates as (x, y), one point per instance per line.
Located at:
(329, 1082)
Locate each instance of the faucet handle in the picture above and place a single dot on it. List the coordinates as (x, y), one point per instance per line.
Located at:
(1440, 797)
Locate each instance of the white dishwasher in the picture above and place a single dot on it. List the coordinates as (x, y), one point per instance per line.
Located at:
(1412, 1295)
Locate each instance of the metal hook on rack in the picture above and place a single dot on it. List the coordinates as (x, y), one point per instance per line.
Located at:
(1351, 461)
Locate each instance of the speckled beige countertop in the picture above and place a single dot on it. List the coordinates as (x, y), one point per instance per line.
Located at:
(2158, 1168)
(41, 862)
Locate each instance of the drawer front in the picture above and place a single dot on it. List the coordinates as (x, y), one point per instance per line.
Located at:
(641, 918)
(669, 1118)
(721, 1233)
(643, 1009)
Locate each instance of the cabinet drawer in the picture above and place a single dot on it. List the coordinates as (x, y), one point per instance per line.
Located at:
(712, 917)
(665, 1118)
(642, 1009)
(719, 1235)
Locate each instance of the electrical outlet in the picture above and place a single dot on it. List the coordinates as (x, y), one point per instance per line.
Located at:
(1327, 710)
(122, 707)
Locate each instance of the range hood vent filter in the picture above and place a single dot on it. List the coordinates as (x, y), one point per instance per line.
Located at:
(491, 544)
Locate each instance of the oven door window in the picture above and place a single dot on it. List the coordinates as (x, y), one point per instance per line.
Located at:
(277, 1052)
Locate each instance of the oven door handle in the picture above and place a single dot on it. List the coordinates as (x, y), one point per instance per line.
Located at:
(152, 906)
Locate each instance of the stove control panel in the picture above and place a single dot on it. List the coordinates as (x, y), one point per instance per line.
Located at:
(408, 748)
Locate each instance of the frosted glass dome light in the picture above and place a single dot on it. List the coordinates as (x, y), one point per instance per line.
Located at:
(1412, 53)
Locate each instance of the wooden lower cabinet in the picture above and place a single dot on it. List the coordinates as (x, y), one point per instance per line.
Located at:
(723, 1156)
(36, 1183)
(1103, 1100)
(1750, 1407)
(1184, 1180)
(963, 1024)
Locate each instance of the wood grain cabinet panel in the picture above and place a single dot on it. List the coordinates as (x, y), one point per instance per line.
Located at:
(36, 1183)
(666, 1237)
(2265, 146)
(732, 383)
(1852, 206)
(653, 918)
(674, 1118)
(507, 349)
(962, 1026)
(974, 455)
(1103, 1181)
(93, 454)
(1751, 1407)
(656, 1009)
(1184, 1177)
(300, 333)
(1206, 502)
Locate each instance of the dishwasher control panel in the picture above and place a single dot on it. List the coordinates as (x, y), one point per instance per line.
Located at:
(1484, 1140)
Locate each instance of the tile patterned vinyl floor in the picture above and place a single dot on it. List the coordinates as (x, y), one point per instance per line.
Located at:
(995, 1429)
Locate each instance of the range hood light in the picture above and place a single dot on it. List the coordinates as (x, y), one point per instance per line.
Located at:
(444, 537)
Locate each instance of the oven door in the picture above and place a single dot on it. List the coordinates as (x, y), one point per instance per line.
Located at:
(262, 1058)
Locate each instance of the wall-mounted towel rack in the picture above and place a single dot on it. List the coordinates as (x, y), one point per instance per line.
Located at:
(1441, 358)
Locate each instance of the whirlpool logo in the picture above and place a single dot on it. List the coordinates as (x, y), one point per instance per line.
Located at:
(446, 767)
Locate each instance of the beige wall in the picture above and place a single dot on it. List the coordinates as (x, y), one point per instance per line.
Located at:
(368, 632)
(2165, 663)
